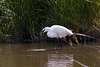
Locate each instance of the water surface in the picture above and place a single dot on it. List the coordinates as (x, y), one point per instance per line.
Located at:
(39, 55)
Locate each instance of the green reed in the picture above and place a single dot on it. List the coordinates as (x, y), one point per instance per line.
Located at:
(24, 19)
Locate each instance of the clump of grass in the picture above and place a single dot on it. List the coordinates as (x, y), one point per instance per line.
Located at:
(25, 18)
(74, 14)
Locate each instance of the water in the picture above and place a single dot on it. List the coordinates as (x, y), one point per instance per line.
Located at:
(28, 55)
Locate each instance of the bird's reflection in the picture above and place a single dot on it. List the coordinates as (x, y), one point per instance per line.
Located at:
(60, 60)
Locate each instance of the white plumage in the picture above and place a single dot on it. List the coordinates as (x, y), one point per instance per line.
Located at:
(57, 31)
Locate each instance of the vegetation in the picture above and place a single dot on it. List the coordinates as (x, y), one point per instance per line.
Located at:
(23, 19)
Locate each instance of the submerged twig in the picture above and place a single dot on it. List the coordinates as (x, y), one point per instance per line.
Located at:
(77, 62)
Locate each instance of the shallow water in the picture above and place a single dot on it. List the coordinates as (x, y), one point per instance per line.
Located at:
(28, 55)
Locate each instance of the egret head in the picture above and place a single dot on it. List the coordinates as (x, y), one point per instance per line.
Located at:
(46, 29)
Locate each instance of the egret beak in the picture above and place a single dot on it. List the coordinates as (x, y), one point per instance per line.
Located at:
(41, 33)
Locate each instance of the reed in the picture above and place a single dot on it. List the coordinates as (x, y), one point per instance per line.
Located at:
(24, 19)
(75, 14)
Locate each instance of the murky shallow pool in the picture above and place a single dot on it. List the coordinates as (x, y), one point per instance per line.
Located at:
(28, 55)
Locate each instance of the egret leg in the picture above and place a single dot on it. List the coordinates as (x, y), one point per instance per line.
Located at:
(60, 43)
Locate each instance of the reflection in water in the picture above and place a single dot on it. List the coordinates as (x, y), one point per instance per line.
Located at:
(60, 60)
(36, 50)
(30, 56)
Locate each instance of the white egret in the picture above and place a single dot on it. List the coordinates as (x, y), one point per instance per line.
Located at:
(58, 31)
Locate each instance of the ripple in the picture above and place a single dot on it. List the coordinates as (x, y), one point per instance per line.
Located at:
(36, 50)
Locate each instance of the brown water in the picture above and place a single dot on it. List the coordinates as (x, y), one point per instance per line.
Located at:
(28, 55)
